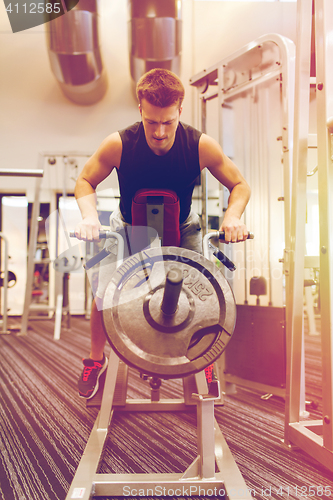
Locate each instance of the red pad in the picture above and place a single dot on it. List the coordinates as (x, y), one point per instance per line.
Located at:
(171, 232)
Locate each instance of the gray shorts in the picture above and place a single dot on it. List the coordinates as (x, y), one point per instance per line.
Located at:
(190, 238)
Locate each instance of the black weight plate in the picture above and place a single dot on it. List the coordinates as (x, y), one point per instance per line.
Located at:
(168, 346)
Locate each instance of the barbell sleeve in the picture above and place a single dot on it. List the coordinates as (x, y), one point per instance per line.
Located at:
(172, 289)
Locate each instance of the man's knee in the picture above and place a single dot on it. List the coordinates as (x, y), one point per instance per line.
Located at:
(97, 303)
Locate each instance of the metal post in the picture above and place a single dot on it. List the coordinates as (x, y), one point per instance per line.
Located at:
(31, 257)
(223, 192)
(204, 176)
(324, 76)
(294, 295)
(205, 437)
(5, 285)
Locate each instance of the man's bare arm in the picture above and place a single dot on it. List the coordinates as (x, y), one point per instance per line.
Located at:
(226, 172)
(98, 167)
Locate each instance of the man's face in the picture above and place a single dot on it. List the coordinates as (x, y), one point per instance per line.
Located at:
(160, 125)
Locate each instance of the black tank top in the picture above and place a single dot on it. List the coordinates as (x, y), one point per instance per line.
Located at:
(140, 168)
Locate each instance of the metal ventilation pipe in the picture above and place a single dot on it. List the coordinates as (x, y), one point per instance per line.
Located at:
(74, 53)
(155, 36)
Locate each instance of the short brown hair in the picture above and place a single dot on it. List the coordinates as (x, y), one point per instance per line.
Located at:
(160, 87)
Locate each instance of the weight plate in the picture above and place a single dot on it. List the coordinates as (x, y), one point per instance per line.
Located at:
(168, 346)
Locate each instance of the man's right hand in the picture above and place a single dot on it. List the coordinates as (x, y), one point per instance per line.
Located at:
(88, 229)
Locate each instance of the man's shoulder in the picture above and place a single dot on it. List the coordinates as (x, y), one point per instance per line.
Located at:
(131, 130)
(191, 133)
(110, 150)
(187, 127)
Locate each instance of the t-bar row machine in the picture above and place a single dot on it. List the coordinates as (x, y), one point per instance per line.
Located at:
(168, 312)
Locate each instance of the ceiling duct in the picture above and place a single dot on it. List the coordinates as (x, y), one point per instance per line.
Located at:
(74, 53)
(155, 36)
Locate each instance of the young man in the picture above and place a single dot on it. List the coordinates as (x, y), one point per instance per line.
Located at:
(158, 152)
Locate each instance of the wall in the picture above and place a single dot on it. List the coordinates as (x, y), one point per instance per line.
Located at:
(36, 115)
(223, 27)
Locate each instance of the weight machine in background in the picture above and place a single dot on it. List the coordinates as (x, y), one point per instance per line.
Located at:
(71, 296)
(253, 92)
(55, 180)
(38, 175)
(60, 170)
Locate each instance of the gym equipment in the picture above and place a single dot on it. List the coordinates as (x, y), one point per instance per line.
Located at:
(11, 279)
(38, 174)
(53, 180)
(201, 327)
(258, 287)
(316, 436)
(251, 90)
(117, 239)
(65, 263)
(57, 177)
(193, 336)
(158, 209)
(210, 248)
(256, 354)
(184, 312)
(311, 268)
(5, 285)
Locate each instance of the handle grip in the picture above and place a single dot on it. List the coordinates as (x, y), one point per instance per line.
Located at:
(250, 236)
(102, 234)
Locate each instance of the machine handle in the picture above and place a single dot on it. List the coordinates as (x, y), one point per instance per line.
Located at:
(221, 236)
(222, 258)
(107, 234)
(96, 259)
(102, 234)
(103, 253)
